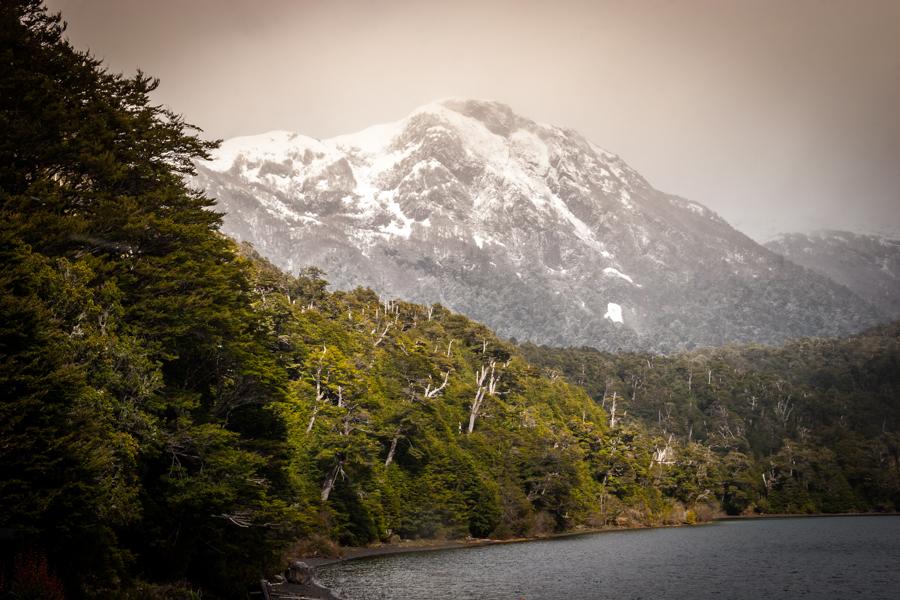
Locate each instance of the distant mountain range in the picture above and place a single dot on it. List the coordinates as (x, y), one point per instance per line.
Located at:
(867, 264)
(527, 227)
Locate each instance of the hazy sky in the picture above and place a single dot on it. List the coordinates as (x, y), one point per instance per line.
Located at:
(781, 115)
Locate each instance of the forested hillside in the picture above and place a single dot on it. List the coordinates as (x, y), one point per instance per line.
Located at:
(805, 427)
(177, 413)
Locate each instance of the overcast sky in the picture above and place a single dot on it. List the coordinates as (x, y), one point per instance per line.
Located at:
(781, 115)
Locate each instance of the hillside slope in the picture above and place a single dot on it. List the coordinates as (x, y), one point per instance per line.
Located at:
(818, 418)
(868, 265)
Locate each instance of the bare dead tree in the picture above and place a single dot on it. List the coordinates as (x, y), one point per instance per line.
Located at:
(486, 380)
(539, 490)
(320, 391)
(241, 519)
(636, 383)
(770, 478)
(664, 455)
(433, 392)
(383, 333)
(328, 485)
(784, 408)
(393, 448)
(612, 412)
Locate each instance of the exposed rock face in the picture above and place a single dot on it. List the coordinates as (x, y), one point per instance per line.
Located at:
(867, 264)
(530, 228)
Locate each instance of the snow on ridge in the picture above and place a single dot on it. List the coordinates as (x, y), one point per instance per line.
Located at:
(449, 102)
(605, 154)
(696, 208)
(494, 151)
(376, 138)
(617, 273)
(370, 140)
(521, 161)
(274, 145)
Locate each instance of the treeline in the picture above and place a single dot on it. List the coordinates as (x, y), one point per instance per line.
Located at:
(810, 426)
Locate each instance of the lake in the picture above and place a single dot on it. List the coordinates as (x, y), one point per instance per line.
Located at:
(833, 557)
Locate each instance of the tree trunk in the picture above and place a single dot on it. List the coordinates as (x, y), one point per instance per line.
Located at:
(476, 406)
(612, 413)
(329, 481)
(312, 419)
(391, 451)
(483, 389)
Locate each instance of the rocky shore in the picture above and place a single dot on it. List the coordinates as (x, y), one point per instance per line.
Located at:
(298, 583)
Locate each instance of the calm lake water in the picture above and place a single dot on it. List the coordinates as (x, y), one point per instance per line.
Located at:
(834, 558)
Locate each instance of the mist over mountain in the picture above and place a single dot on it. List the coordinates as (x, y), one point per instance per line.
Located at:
(867, 264)
(529, 228)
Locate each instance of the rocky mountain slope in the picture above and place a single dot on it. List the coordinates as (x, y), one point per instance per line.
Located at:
(867, 264)
(527, 227)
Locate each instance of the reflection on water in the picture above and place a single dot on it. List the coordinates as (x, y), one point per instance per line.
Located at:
(839, 557)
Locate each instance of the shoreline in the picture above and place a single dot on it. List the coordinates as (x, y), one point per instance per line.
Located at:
(431, 545)
(316, 591)
(805, 516)
(361, 552)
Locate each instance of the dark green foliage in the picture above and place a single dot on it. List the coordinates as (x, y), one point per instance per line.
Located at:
(138, 434)
(810, 426)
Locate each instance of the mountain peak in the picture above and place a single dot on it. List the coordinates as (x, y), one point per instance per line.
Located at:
(498, 118)
(530, 228)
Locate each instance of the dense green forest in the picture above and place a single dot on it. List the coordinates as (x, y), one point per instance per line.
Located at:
(810, 426)
(178, 414)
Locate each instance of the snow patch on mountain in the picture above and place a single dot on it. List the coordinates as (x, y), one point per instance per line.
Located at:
(612, 272)
(614, 312)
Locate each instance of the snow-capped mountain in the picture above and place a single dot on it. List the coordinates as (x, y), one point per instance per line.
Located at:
(867, 264)
(530, 228)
